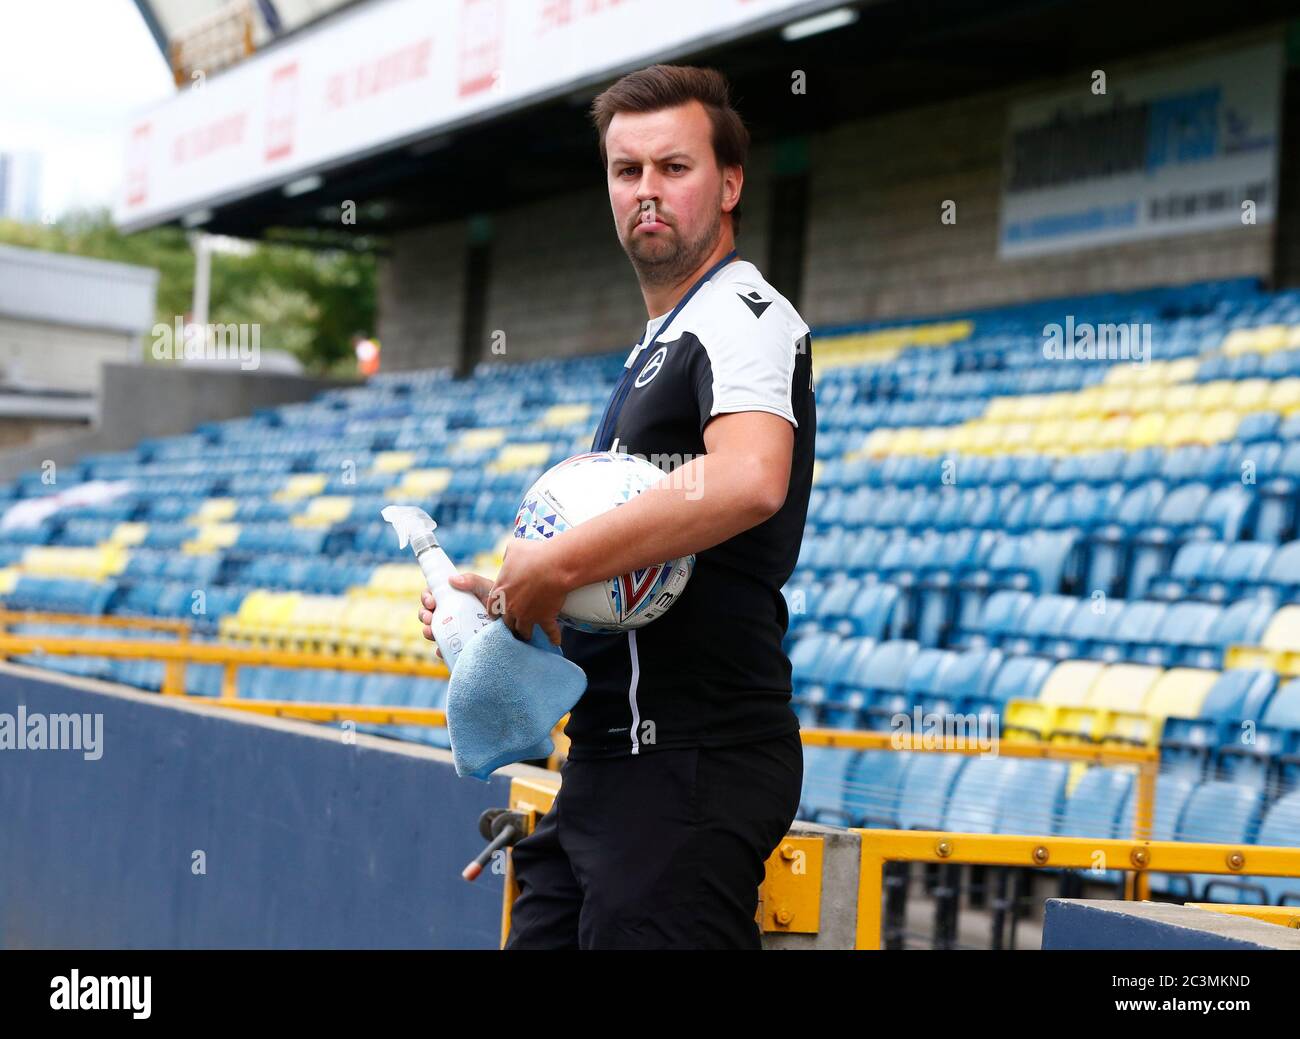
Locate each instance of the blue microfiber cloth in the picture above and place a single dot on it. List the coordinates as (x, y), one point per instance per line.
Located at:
(504, 698)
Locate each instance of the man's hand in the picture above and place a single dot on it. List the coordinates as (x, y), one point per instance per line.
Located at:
(477, 585)
(530, 588)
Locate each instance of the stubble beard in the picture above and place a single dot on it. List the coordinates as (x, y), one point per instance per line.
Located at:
(671, 266)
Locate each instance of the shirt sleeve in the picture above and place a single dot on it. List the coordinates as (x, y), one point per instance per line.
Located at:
(747, 365)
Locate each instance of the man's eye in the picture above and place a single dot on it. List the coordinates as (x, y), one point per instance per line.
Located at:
(626, 169)
(676, 166)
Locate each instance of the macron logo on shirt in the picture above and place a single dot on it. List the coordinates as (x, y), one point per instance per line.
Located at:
(754, 302)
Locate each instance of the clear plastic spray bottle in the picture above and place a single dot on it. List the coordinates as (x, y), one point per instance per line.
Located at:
(457, 615)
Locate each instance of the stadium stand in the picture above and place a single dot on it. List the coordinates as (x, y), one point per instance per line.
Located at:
(1070, 551)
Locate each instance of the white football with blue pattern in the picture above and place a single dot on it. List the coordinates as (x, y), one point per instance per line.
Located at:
(576, 490)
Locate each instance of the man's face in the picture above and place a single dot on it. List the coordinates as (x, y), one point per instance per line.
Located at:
(666, 190)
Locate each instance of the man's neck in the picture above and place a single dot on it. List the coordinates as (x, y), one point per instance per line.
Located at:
(658, 301)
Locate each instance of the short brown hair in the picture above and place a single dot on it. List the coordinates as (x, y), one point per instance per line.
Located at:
(667, 86)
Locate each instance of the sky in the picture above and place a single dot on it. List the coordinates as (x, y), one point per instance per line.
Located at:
(72, 74)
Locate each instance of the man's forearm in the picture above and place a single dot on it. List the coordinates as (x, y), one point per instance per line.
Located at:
(700, 504)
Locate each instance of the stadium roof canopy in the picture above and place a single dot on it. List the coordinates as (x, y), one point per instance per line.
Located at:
(521, 137)
(169, 19)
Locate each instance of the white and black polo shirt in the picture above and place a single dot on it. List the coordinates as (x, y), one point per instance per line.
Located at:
(710, 671)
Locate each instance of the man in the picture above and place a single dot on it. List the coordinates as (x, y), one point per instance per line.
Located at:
(685, 765)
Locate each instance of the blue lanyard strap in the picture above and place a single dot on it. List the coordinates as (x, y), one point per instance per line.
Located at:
(605, 432)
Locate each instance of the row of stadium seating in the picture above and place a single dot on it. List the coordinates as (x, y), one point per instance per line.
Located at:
(955, 793)
(1068, 546)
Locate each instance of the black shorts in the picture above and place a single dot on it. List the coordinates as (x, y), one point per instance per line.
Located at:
(661, 850)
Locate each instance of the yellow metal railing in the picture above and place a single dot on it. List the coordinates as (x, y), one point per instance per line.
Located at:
(176, 655)
(1145, 759)
(231, 657)
(982, 849)
(181, 652)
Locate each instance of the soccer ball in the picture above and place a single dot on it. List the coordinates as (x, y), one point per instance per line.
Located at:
(577, 489)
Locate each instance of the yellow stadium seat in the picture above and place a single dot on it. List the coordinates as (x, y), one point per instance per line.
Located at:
(1122, 687)
(959, 439)
(1148, 399)
(933, 440)
(906, 441)
(129, 533)
(1113, 432)
(1238, 341)
(301, 485)
(214, 510)
(212, 536)
(1082, 435)
(1132, 728)
(1001, 409)
(1249, 394)
(1030, 719)
(478, 439)
(879, 442)
(1284, 395)
(1146, 431)
(1128, 375)
(1016, 436)
(1182, 370)
(1055, 406)
(1085, 402)
(1219, 426)
(978, 436)
(75, 561)
(1115, 401)
(1210, 396)
(1179, 691)
(1271, 337)
(567, 414)
(1079, 723)
(324, 511)
(1178, 399)
(396, 579)
(1283, 632)
(393, 461)
(514, 457)
(1184, 428)
(1028, 407)
(1068, 683)
(422, 483)
(1049, 436)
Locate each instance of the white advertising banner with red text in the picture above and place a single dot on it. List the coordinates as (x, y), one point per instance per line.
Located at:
(388, 71)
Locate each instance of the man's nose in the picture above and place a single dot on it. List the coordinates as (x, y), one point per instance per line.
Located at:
(648, 189)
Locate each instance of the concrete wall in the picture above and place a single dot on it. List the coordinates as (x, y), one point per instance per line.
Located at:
(875, 246)
(62, 357)
(307, 842)
(421, 284)
(1082, 923)
(151, 400)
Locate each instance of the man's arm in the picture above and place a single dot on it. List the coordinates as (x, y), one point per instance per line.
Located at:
(741, 481)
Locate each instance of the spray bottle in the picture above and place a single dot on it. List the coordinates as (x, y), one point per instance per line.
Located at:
(457, 615)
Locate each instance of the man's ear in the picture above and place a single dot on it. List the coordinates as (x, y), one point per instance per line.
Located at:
(733, 180)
